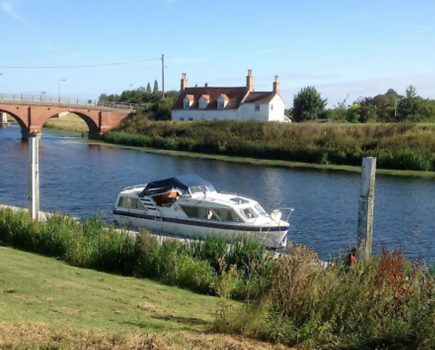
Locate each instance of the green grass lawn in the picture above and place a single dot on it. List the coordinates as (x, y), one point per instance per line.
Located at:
(39, 289)
(45, 303)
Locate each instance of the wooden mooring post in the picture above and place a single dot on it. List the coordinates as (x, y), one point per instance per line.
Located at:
(34, 175)
(365, 209)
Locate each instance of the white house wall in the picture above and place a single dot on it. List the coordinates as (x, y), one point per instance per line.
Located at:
(277, 113)
(248, 112)
(245, 112)
(195, 114)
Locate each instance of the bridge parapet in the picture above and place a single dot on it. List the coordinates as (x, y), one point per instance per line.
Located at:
(63, 101)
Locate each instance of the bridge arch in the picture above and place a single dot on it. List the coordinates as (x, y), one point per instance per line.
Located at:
(32, 116)
(18, 118)
(93, 128)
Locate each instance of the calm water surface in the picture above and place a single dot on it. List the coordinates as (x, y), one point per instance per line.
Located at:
(83, 180)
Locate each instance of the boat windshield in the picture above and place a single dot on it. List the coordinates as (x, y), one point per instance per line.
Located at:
(254, 211)
(201, 188)
(259, 209)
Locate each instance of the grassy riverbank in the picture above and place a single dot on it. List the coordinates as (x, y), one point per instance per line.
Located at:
(401, 149)
(386, 303)
(270, 162)
(46, 304)
(68, 122)
(396, 146)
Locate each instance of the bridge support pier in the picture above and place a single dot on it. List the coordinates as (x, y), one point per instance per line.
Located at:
(4, 120)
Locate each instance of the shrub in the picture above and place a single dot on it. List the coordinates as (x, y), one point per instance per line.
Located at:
(386, 303)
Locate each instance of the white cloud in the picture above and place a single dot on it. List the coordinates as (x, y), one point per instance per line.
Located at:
(8, 8)
(170, 4)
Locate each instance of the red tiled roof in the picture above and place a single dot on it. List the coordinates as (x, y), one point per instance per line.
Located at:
(235, 96)
(259, 97)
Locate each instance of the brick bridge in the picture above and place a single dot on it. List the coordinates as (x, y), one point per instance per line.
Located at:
(31, 115)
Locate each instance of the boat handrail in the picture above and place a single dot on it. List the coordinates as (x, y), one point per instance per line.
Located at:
(233, 193)
(283, 211)
(134, 186)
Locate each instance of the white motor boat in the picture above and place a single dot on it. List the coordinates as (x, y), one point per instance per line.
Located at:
(189, 206)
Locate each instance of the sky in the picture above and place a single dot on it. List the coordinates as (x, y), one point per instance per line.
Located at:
(347, 49)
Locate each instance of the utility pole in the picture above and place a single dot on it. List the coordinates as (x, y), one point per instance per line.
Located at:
(163, 75)
(366, 205)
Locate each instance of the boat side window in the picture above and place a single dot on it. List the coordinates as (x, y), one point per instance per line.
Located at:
(130, 203)
(249, 213)
(124, 202)
(227, 215)
(137, 204)
(216, 214)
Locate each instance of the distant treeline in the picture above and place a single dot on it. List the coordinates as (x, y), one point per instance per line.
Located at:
(396, 146)
(152, 104)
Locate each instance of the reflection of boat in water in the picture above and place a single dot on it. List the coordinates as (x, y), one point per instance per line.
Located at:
(189, 206)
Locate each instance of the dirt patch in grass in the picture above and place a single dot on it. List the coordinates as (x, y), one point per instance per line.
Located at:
(40, 335)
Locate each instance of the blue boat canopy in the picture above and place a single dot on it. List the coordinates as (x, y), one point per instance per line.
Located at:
(181, 182)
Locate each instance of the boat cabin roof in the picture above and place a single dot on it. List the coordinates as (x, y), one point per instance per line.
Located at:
(181, 182)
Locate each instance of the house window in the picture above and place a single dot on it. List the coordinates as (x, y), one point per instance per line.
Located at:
(222, 101)
(203, 102)
(271, 107)
(257, 108)
(187, 101)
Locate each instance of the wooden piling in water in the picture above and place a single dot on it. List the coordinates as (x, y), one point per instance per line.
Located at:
(34, 175)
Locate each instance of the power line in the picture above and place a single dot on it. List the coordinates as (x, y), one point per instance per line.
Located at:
(83, 65)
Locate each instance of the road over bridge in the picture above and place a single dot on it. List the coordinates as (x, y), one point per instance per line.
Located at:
(32, 113)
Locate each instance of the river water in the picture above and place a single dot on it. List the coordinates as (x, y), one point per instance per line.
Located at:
(83, 180)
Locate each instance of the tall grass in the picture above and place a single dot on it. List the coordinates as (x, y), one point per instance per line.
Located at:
(387, 303)
(397, 146)
(89, 244)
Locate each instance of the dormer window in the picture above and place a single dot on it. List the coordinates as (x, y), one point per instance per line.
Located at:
(222, 101)
(187, 101)
(203, 101)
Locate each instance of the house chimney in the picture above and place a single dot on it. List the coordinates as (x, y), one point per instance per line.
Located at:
(184, 82)
(250, 81)
(276, 85)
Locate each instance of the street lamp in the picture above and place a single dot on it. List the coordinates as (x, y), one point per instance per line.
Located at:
(58, 88)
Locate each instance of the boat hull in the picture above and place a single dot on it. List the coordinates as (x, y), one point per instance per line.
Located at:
(271, 236)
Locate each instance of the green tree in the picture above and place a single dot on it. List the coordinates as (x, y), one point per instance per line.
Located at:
(308, 105)
(162, 109)
(148, 90)
(408, 107)
(156, 88)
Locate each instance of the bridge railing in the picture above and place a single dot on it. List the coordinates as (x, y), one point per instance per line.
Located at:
(36, 99)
